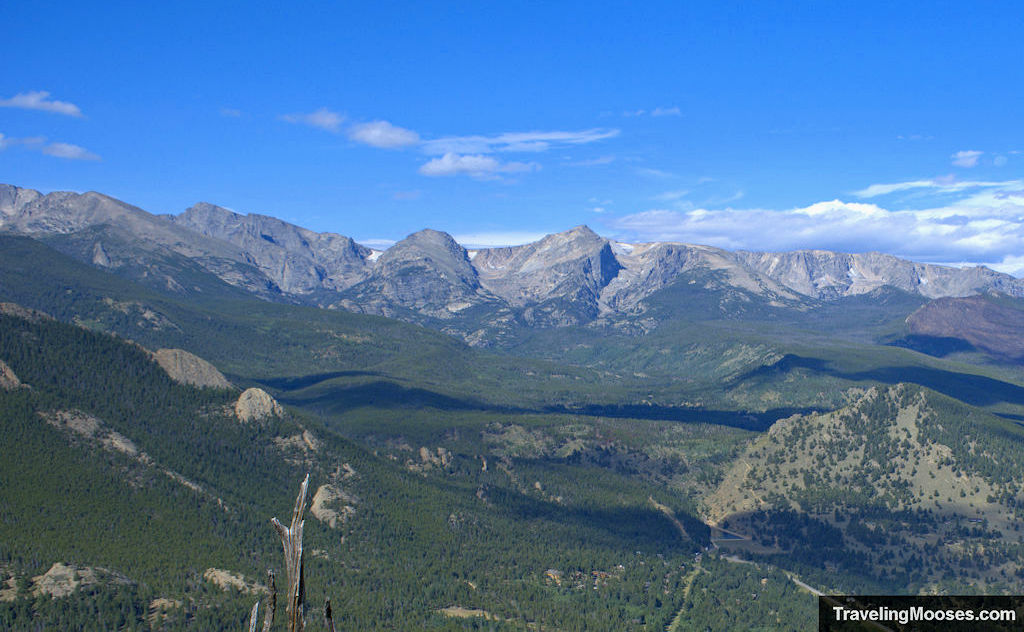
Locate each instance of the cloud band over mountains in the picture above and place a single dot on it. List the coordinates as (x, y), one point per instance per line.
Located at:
(985, 226)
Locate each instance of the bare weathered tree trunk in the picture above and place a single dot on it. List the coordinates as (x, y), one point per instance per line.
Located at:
(268, 619)
(327, 615)
(291, 540)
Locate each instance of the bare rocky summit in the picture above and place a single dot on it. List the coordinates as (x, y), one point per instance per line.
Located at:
(187, 368)
(427, 272)
(255, 404)
(296, 259)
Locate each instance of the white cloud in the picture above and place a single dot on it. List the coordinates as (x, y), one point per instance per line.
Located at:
(321, 118)
(497, 239)
(383, 135)
(986, 227)
(946, 184)
(515, 141)
(69, 151)
(673, 111)
(478, 166)
(230, 112)
(40, 100)
(57, 150)
(966, 158)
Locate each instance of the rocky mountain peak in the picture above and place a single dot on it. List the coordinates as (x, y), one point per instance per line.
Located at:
(296, 259)
(13, 199)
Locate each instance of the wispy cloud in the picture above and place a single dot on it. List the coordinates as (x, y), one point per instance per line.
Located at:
(40, 100)
(69, 152)
(478, 166)
(383, 134)
(322, 118)
(230, 112)
(945, 184)
(649, 172)
(658, 111)
(986, 227)
(672, 111)
(536, 141)
(57, 150)
(967, 158)
(671, 196)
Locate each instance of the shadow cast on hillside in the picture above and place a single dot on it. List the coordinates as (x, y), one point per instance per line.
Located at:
(976, 390)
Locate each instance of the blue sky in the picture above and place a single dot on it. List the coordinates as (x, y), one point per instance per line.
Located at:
(766, 126)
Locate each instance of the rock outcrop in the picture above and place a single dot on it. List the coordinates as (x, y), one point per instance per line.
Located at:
(255, 404)
(186, 368)
(62, 579)
(8, 380)
(332, 506)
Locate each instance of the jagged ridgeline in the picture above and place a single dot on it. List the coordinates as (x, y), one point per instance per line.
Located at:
(133, 501)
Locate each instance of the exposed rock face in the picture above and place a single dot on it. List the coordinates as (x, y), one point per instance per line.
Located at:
(110, 233)
(8, 380)
(63, 579)
(332, 506)
(573, 277)
(981, 321)
(227, 580)
(652, 267)
(296, 259)
(426, 272)
(186, 368)
(255, 404)
(824, 274)
(573, 266)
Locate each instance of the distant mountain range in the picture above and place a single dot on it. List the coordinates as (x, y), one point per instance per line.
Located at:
(575, 277)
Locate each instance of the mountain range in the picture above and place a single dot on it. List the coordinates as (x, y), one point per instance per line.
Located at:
(576, 433)
(575, 277)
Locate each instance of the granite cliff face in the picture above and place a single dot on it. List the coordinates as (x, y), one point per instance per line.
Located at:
(562, 275)
(298, 260)
(569, 278)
